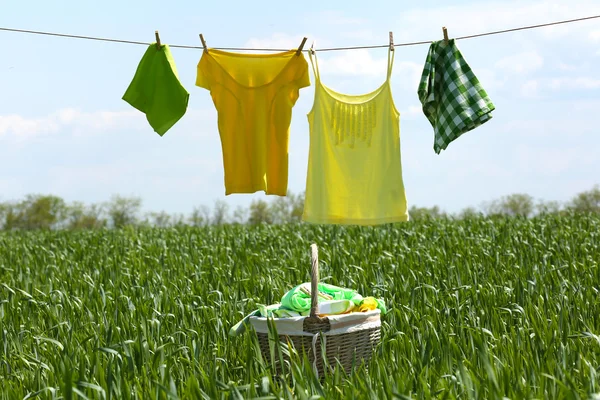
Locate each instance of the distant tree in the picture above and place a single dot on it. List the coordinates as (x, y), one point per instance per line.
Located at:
(36, 212)
(178, 220)
(279, 210)
(548, 207)
(80, 216)
(200, 216)
(418, 213)
(240, 215)
(469, 212)
(7, 215)
(159, 219)
(123, 211)
(287, 209)
(514, 205)
(220, 213)
(297, 207)
(259, 213)
(51, 212)
(588, 202)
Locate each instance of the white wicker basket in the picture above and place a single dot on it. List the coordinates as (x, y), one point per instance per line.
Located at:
(348, 338)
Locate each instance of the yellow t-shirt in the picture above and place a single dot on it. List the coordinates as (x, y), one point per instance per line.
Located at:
(254, 95)
(354, 169)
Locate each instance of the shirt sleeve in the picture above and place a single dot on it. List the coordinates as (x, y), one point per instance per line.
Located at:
(203, 77)
(303, 75)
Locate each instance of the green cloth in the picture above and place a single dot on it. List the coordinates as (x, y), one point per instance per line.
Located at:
(240, 327)
(156, 90)
(271, 311)
(298, 300)
(452, 97)
(296, 303)
(278, 311)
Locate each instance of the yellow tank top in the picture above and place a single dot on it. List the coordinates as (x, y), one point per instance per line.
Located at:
(254, 95)
(354, 170)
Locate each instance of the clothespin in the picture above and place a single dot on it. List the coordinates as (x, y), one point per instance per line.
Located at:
(312, 48)
(203, 42)
(157, 40)
(445, 34)
(391, 41)
(301, 46)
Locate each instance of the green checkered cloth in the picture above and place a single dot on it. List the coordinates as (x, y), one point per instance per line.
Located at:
(452, 97)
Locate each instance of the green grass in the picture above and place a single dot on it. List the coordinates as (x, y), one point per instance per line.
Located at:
(479, 309)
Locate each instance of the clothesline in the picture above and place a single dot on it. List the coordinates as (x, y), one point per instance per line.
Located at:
(281, 50)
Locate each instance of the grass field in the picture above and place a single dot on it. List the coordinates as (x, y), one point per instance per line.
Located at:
(479, 309)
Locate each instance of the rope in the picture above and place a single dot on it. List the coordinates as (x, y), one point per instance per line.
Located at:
(314, 281)
(314, 348)
(281, 50)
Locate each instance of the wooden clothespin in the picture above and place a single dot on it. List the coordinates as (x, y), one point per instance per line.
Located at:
(301, 47)
(391, 41)
(445, 34)
(312, 48)
(157, 40)
(203, 42)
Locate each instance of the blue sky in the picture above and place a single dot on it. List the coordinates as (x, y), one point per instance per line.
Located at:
(65, 130)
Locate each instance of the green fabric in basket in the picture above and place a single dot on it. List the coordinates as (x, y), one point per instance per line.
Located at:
(296, 303)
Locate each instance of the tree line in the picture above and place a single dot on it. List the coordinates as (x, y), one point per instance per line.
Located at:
(51, 212)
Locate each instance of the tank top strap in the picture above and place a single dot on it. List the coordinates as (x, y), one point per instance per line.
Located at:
(390, 62)
(314, 63)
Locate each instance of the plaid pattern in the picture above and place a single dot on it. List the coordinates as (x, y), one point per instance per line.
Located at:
(452, 97)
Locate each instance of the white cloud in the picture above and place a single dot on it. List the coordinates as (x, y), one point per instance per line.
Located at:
(472, 18)
(331, 17)
(361, 62)
(574, 83)
(22, 127)
(356, 62)
(10, 185)
(409, 73)
(346, 63)
(489, 79)
(595, 36)
(136, 173)
(81, 123)
(553, 161)
(521, 63)
(362, 35)
(545, 127)
(567, 67)
(411, 111)
(280, 41)
(530, 89)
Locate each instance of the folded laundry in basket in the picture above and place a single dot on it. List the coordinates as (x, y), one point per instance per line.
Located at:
(333, 300)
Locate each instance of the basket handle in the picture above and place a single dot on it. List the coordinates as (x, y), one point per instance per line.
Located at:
(314, 281)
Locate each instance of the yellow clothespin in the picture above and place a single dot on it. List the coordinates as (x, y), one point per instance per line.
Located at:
(157, 40)
(445, 34)
(203, 42)
(301, 47)
(391, 41)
